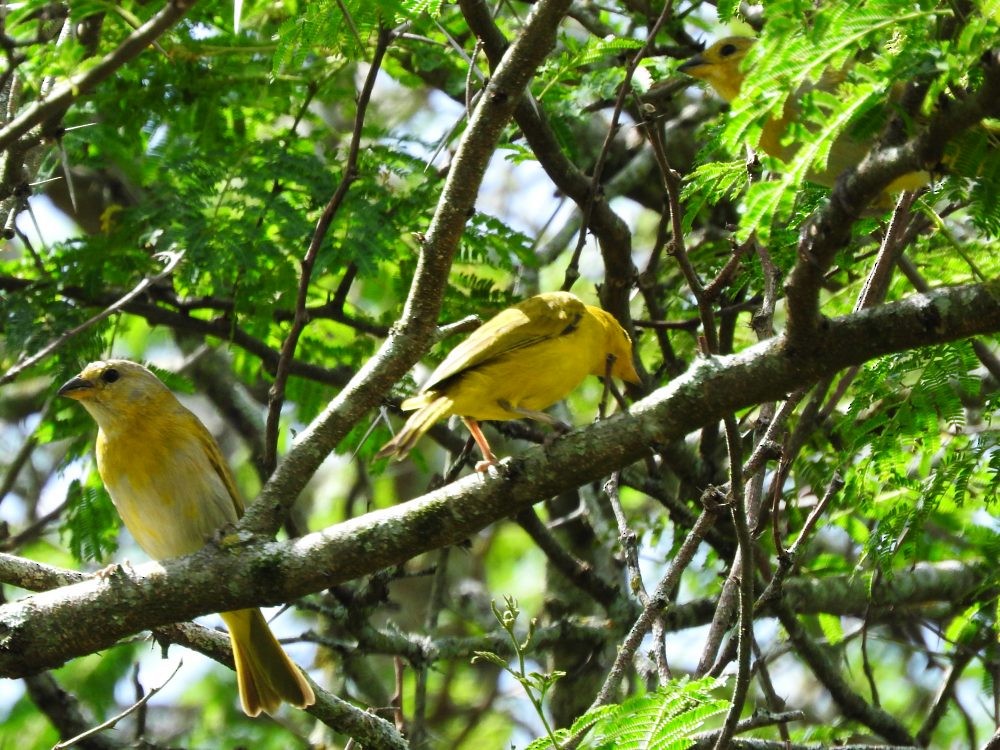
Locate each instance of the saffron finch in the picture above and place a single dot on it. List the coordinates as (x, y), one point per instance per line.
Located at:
(515, 365)
(173, 490)
(720, 67)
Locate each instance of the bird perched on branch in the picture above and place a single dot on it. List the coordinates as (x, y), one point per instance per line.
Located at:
(173, 490)
(720, 66)
(520, 362)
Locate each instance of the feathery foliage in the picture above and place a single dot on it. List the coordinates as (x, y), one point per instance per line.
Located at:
(310, 180)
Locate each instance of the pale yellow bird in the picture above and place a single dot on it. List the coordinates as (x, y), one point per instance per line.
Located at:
(721, 67)
(515, 365)
(173, 490)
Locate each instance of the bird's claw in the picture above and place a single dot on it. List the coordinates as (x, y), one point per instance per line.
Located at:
(114, 571)
(493, 468)
(559, 428)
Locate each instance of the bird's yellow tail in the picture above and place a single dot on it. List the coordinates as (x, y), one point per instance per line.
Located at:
(265, 674)
(419, 422)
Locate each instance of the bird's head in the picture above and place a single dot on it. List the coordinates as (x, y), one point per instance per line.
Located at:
(115, 391)
(617, 344)
(719, 65)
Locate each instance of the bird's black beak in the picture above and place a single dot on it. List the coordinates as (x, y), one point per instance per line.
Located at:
(691, 63)
(75, 388)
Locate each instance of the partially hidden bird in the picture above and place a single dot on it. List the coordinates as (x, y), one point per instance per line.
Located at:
(173, 490)
(515, 365)
(721, 67)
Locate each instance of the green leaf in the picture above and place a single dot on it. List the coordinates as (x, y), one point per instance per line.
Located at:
(666, 718)
(90, 528)
(831, 627)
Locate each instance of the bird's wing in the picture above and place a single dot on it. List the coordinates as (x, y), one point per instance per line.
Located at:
(544, 316)
(218, 463)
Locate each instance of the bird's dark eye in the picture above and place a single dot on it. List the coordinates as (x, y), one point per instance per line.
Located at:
(727, 50)
(110, 375)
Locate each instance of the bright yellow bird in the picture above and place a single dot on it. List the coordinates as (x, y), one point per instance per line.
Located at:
(173, 490)
(515, 365)
(720, 67)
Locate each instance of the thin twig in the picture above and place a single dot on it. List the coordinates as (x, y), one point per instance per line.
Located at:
(746, 603)
(276, 396)
(711, 663)
(775, 702)
(63, 96)
(118, 717)
(676, 247)
(758, 720)
(140, 718)
(171, 258)
(33, 531)
(965, 652)
(578, 572)
(346, 13)
(23, 455)
(623, 91)
(649, 288)
(787, 559)
(627, 538)
(876, 285)
(725, 276)
(850, 703)
(312, 89)
(654, 607)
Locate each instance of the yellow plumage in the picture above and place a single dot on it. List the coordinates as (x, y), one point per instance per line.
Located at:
(520, 362)
(173, 490)
(720, 67)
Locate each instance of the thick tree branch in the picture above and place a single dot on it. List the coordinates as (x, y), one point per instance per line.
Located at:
(328, 708)
(45, 630)
(842, 595)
